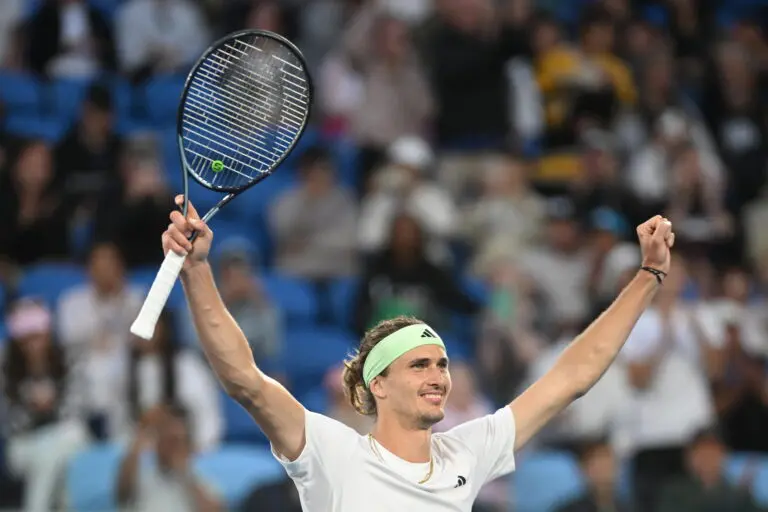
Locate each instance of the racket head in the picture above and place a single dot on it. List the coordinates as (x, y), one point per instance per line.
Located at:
(246, 102)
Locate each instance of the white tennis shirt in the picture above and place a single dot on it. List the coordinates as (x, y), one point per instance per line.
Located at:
(341, 471)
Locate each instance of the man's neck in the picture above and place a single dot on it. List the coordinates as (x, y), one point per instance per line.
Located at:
(408, 443)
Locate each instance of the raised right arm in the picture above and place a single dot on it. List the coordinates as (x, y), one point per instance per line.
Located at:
(275, 410)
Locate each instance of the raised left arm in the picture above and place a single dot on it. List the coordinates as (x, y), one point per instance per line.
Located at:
(587, 358)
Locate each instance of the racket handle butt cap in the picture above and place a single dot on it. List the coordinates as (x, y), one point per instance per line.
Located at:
(144, 325)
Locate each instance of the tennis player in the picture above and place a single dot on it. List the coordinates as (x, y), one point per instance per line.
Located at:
(400, 374)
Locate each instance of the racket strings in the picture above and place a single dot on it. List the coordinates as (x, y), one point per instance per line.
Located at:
(246, 105)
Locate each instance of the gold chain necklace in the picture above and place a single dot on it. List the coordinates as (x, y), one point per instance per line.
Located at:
(378, 454)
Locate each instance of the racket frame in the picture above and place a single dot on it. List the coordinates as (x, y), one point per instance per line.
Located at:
(232, 192)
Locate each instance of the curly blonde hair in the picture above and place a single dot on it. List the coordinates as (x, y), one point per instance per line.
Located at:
(359, 396)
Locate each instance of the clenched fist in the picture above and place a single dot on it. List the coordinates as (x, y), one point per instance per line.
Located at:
(656, 239)
(176, 237)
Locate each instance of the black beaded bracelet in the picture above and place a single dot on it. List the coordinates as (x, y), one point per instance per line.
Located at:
(659, 274)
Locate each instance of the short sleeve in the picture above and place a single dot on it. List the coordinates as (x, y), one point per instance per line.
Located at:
(491, 438)
(643, 339)
(329, 446)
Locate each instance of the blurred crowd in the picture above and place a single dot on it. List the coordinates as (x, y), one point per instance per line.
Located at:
(479, 164)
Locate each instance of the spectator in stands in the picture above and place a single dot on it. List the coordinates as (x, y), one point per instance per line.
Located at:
(162, 371)
(598, 464)
(396, 98)
(244, 296)
(135, 209)
(402, 280)
(404, 184)
(11, 18)
(37, 214)
(740, 392)
(639, 38)
(743, 305)
(584, 85)
(508, 212)
(704, 487)
(43, 426)
(598, 183)
(93, 325)
(272, 15)
(738, 116)
(660, 92)
(674, 140)
(87, 157)
(314, 224)
(170, 483)
(670, 357)
(466, 48)
(70, 39)
(697, 205)
(319, 25)
(559, 268)
(159, 36)
(507, 336)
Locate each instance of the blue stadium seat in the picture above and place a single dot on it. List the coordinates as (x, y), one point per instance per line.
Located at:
(343, 296)
(161, 96)
(310, 138)
(315, 400)
(738, 465)
(21, 93)
(236, 470)
(543, 481)
(239, 426)
(108, 8)
(129, 113)
(463, 326)
(294, 296)
(46, 128)
(263, 194)
(91, 477)
(233, 470)
(48, 281)
(346, 153)
(65, 99)
(310, 352)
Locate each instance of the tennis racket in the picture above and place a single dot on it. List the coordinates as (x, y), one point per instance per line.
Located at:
(244, 107)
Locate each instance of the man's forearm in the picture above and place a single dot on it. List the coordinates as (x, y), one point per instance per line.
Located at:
(588, 357)
(222, 340)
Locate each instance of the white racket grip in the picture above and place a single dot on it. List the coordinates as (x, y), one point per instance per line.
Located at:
(144, 325)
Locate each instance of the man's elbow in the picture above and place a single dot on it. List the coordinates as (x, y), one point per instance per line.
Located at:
(246, 391)
(245, 396)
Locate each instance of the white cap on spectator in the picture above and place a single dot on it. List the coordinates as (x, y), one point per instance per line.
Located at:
(28, 318)
(411, 151)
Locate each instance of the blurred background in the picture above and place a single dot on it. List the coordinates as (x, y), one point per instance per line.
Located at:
(481, 164)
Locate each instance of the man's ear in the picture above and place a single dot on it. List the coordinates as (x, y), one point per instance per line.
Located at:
(377, 387)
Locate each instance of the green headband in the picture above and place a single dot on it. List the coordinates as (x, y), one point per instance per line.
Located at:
(395, 345)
